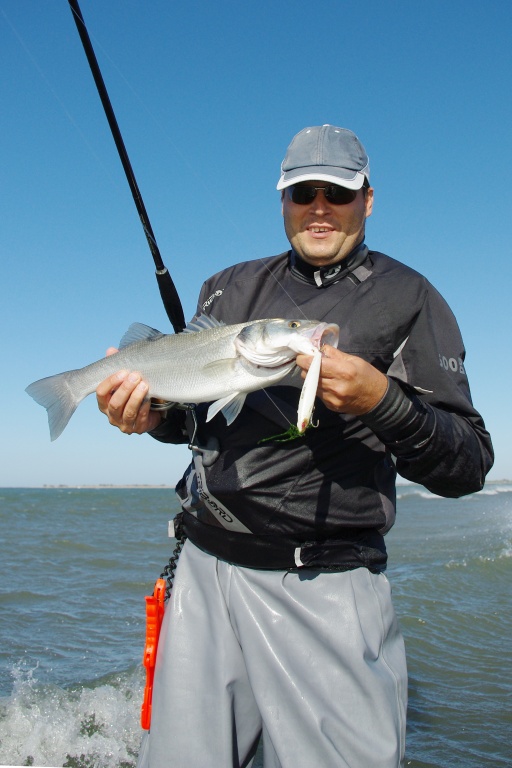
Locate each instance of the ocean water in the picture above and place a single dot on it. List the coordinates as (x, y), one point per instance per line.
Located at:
(75, 565)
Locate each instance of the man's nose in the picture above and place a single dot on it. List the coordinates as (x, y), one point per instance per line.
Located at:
(320, 203)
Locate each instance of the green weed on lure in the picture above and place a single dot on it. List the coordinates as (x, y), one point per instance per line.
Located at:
(306, 404)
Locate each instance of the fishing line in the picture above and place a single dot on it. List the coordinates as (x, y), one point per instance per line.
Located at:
(54, 93)
(62, 104)
(192, 169)
(285, 417)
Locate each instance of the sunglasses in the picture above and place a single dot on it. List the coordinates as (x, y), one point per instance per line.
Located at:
(304, 194)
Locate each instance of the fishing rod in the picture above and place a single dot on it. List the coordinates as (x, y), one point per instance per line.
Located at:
(168, 291)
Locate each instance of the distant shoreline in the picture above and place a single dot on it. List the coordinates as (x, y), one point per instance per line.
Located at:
(99, 486)
(164, 486)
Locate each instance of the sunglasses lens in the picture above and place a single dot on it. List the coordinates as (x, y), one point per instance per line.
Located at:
(339, 195)
(304, 194)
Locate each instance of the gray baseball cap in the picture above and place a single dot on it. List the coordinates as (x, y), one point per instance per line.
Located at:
(325, 153)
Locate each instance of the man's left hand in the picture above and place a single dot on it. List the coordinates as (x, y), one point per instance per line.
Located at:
(348, 384)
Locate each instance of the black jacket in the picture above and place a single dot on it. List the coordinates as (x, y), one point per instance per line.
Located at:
(331, 493)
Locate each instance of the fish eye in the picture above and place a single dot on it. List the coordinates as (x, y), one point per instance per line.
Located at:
(294, 324)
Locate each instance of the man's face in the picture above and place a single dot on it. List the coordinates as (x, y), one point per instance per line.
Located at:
(323, 233)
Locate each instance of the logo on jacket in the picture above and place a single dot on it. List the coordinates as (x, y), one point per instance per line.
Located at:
(211, 298)
(452, 364)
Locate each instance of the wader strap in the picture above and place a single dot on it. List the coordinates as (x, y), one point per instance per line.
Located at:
(358, 548)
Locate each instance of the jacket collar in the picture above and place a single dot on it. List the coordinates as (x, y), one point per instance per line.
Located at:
(324, 276)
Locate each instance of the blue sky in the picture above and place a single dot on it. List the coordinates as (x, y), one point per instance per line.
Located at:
(207, 96)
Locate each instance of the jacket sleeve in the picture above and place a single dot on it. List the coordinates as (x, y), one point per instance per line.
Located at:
(426, 418)
(172, 428)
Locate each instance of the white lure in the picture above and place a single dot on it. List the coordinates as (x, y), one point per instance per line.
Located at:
(308, 393)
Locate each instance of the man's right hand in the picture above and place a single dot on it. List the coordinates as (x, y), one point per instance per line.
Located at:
(122, 398)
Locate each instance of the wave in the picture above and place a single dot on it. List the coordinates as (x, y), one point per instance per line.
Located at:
(407, 492)
(490, 490)
(419, 492)
(85, 726)
(466, 562)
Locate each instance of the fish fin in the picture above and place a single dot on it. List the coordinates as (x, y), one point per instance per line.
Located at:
(232, 409)
(231, 405)
(138, 332)
(220, 366)
(55, 394)
(202, 323)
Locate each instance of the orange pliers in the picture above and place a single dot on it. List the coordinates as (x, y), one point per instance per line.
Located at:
(154, 616)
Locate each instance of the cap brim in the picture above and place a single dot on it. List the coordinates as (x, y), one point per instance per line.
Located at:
(320, 173)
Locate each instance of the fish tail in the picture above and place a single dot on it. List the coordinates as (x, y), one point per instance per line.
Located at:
(56, 395)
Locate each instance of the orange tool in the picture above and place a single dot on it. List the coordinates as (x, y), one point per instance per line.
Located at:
(154, 616)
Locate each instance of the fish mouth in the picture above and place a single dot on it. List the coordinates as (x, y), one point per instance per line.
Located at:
(324, 333)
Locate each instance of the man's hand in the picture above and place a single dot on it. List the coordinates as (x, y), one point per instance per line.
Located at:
(121, 398)
(348, 384)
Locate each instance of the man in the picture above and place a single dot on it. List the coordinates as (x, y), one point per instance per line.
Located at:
(281, 621)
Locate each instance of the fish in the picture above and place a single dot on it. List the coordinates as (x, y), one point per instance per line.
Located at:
(209, 362)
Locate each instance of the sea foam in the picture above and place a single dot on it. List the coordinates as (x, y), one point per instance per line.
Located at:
(83, 727)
